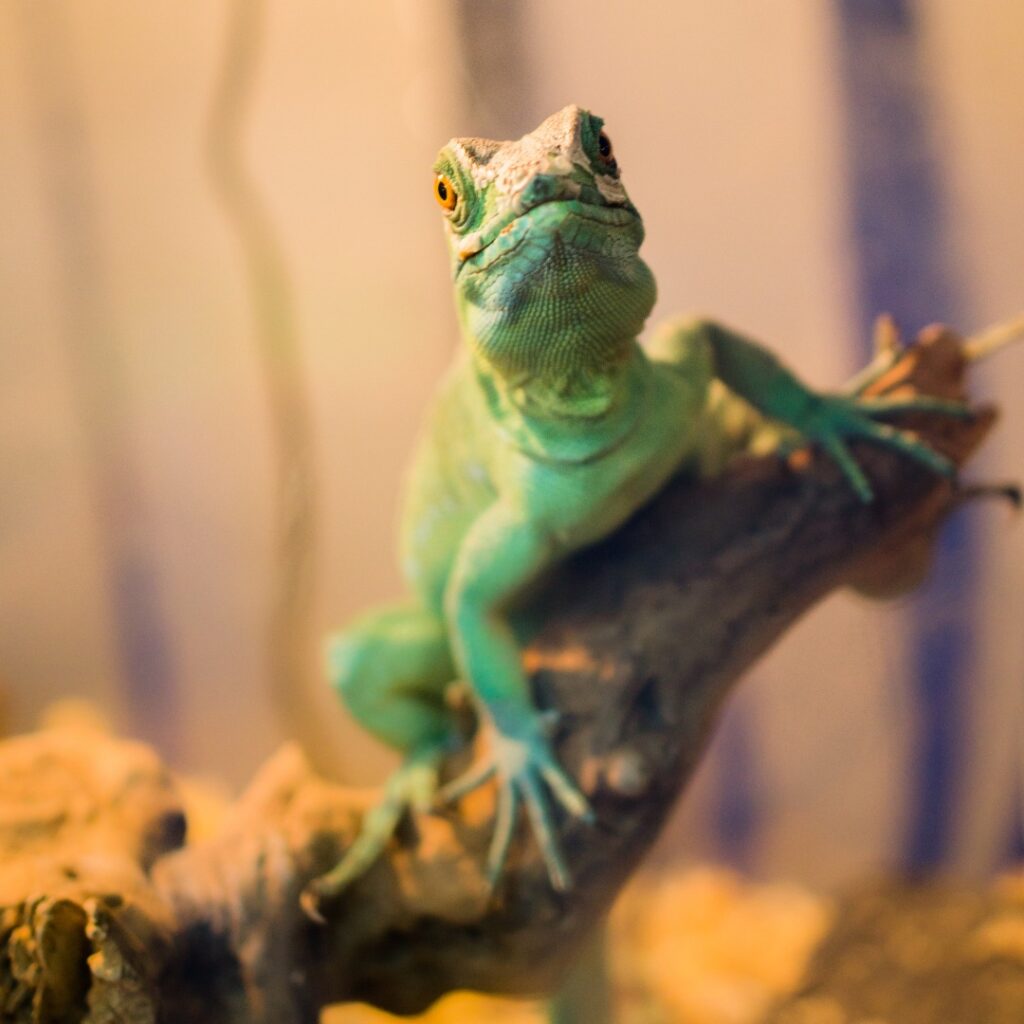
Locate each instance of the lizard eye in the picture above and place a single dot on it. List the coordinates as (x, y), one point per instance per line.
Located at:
(444, 193)
(605, 151)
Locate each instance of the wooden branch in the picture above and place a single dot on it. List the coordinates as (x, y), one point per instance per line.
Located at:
(636, 643)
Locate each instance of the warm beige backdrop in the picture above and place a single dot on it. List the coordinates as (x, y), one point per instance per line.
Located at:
(727, 121)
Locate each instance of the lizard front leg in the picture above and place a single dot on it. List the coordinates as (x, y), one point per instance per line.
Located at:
(830, 420)
(503, 553)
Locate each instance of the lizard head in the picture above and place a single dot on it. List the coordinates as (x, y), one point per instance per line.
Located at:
(544, 246)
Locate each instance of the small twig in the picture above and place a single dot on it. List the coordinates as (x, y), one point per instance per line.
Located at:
(982, 345)
(1009, 492)
(886, 337)
(278, 350)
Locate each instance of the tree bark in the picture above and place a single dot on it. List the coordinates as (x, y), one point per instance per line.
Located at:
(636, 643)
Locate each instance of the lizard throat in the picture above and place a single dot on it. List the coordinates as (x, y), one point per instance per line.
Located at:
(573, 420)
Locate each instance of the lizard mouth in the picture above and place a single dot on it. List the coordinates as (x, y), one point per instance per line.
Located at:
(486, 247)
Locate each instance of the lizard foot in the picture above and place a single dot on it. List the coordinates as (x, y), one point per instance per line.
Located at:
(832, 420)
(523, 764)
(412, 787)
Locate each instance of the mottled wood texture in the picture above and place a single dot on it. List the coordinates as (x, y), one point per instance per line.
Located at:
(636, 643)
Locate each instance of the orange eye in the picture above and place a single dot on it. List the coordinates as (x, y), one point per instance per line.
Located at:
(444, 193)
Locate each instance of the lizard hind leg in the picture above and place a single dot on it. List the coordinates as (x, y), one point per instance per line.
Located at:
(391, 668)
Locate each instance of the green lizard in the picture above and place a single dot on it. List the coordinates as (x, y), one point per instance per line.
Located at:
(548, 433)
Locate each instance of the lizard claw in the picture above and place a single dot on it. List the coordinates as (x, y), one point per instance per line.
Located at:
(526, 769)
(838, 419)
(413, 786)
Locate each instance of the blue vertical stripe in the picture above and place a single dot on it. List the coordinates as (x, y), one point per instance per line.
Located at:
(144, 648)
(736, 805)
(903, 260)
(1015, 846)
(99, 376)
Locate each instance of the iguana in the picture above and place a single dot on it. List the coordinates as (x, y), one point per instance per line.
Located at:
(552, 428)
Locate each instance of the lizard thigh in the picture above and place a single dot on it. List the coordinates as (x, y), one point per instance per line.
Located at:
(390, 667)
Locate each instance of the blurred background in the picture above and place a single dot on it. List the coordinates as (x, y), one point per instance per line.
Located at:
(224, 304)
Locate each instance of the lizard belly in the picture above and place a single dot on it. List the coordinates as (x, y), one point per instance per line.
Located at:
(465, 464)
(449, 487)
(436, 522)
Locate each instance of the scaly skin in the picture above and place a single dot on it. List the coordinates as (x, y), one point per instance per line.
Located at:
(553, 428)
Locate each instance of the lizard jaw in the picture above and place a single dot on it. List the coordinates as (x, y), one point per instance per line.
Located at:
(512, 233)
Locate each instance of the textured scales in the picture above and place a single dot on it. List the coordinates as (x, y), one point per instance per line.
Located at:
(549, 432)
